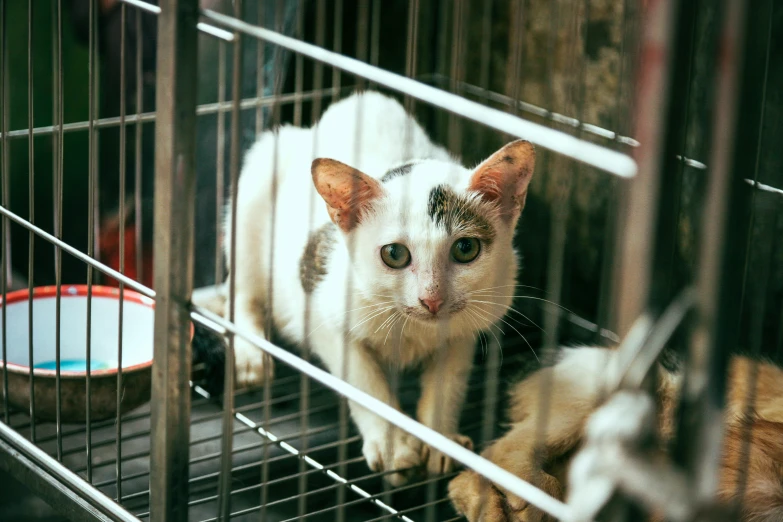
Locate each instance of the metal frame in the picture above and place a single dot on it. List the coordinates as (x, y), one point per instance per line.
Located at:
(643, 205)
(175, 193)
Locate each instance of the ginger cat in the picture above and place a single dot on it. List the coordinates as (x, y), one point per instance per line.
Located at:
(576, 382)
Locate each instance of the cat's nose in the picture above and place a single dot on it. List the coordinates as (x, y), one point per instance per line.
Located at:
(433, 305)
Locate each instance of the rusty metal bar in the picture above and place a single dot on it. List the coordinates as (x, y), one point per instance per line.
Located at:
(175, 145)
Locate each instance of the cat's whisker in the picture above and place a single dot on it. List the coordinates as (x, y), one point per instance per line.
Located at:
(397, 317)
(481, 319)
(480, 333)
(505, 286)
(512, 327)
(372, 315)
(363, 294)
(529, 297)
(505, 310)
(387, 321)
(510, 309)
(500, 345)
(402, 330)
(338, 314)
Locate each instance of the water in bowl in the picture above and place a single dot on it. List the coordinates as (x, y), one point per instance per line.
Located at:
(75, 365)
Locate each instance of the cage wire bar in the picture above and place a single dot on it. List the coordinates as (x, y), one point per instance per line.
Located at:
(171, 485)
(175, 139)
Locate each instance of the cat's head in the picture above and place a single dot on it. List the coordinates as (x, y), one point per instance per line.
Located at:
(433, 238)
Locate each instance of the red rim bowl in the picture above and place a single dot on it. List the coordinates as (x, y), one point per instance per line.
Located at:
(137, 350)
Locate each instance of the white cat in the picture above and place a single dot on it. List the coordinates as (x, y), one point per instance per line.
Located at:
(399, 257)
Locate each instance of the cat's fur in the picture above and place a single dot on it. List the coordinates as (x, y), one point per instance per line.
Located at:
(320, 251)
(576, 383)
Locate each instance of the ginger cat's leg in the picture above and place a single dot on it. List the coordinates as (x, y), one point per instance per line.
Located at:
(572, 388)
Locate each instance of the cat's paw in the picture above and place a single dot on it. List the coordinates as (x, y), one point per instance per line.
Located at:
(393, 450)
(437, 462)
(252, 366)
(475, 498)
(479, 500)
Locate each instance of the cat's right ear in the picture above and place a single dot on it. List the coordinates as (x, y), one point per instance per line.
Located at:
(347, 192)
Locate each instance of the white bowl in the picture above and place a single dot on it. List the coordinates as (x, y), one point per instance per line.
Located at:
(137, 349)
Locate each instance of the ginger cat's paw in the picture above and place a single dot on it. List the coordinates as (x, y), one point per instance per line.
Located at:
(437, 462)
(251, 364)
(479, 500)
(393, 450)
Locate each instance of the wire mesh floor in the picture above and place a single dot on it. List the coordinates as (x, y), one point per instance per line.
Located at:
(312, 473)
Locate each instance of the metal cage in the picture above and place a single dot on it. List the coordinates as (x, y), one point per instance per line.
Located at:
(653, 220)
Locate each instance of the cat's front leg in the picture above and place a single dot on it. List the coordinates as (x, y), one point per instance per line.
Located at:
(385, 446)
(251, 364)
(443, 385)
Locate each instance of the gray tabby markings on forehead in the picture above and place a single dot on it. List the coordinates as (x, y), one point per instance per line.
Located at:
(396, 172)
(312, 265)
(458, 212)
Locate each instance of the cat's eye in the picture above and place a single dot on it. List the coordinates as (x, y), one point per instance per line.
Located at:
(465, 250)
(396, 255)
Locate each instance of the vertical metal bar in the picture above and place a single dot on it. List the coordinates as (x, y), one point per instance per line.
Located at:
(362, 37)
(96, 180)
(607, 263)
(674, 140)
(304, 383)
(337, 45)
(636, 208)
(175, 142)
(55, 117)
(759, 306)
(412, 48)
(458, 37)
(375, 35)
(137, 182)
(457, 58)
(92, 96)
(343, 410)
(220, 163)
(31, 211)
(298, 69)
(342, 449)
(440, 58)
(260, 69)
(561, 179)
(779, 349)
(486, 57)
(486, 44)
(224, 493)
(517, 48)
(492, 346)
(277, 73)
(626, 52)
(724, 225)
(318, 67)
(6, 231)
(120, 320)
(58, 229)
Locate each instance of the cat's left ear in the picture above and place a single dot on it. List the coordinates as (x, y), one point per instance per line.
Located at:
(503, 178)
(348, 192)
